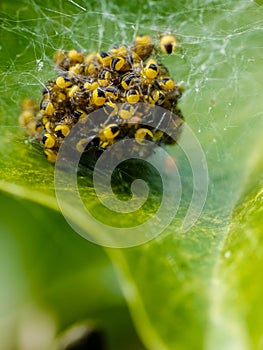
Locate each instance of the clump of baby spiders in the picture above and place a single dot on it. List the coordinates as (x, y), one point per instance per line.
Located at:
(118, 82)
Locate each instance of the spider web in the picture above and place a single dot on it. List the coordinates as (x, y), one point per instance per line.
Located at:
(218, 60)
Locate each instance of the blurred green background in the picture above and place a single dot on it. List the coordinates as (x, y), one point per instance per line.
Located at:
(51, 278)
(192, 291)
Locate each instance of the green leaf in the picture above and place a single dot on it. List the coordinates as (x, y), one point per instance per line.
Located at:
(237, 288)
(51, 278)
(200, 289)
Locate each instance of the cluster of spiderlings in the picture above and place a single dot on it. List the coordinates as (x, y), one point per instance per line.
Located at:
(115, 82)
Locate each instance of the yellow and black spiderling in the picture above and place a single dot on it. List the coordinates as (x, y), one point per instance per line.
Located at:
(114, 82)
(126, 111)
(168, 43)
(112, 93)
(128, 81)
(133, 96)
(110, 132)
(143, 134)
(104, 59)
(166, 83)
(99, 96)
(151, 70)
(49, 140)
(110, 108)
(117, 64)
(62, 130)
(143, 46)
